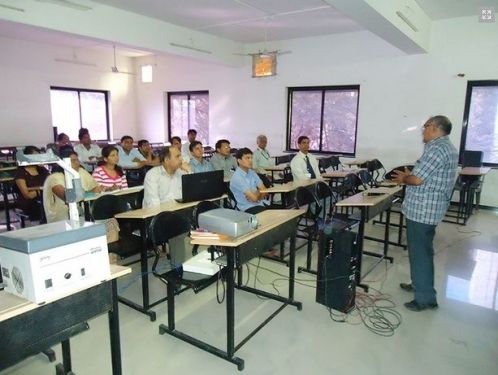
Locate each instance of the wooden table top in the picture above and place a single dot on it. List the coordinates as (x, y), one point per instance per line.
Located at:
(11, 305)
(474, 171)
(267, 220)
(145, 213)
(289, 186)
(89, 196)
(356, 162)
(362, 199)
(277, 168)
(340, 174)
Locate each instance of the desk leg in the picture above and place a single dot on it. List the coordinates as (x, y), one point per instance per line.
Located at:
(230, 304)
(114, 331)
(66, 356)
(6, 205)
(361, 234)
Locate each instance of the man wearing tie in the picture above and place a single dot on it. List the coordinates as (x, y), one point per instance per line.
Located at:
(304, 165)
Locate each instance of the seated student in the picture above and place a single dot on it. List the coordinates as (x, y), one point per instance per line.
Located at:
(176, 142)
(245, 185)
(164, 182)
(197, 162)
(87, 151)
(222, 159)
(304, 165)
(54, 203)
(109, 174)
(30, 177)
(191, 135)
(261, 158)
(146, 150)
(130, 157)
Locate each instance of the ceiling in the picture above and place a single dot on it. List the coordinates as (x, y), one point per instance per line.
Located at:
(440, 9)
(245, 21)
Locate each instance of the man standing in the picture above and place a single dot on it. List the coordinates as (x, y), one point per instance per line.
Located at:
(245, 185)
(191, 134)
(164, 182)
(304, 165)
(427, 198)
(197, 162)
(222, 159)
(261, 158)
(88, 152)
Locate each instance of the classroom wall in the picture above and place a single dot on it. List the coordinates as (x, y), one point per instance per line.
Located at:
(28, 69)
(398, 92)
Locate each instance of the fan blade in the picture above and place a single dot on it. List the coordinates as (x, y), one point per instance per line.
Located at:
(68, 4)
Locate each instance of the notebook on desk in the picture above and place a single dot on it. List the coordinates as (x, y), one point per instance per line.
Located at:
(202, 186)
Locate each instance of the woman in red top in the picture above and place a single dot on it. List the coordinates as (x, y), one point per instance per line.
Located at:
(109, 174)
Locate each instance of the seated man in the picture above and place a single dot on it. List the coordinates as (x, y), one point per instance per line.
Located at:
(146, 150)
(176, 141)
(304, 165)
(54, 194)
(191, 135)
(164, 182)
(130, 157)
(88, 152)
(245, 185)
(222, 159)
(261, 158)
(197, 162)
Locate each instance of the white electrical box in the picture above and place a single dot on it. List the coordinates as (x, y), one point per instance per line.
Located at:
(45, 262)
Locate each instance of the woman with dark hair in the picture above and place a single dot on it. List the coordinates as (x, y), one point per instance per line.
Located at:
(27, 178)
(109, 174)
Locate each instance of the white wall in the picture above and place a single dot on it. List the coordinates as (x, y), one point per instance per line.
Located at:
(28, 69)
(398, 92)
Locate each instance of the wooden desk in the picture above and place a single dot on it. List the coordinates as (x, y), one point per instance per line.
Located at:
(27, 328)
(276, 168)
(90, 197)
(356, 162)
(371, 206)
(275, 226)
(143, 216)
(474, 171)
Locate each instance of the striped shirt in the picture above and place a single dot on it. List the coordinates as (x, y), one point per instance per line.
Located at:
(437, 168)
(103, 179)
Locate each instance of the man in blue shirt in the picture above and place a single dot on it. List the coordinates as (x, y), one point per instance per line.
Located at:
(427, 197)
(245, 185)
(197, 161)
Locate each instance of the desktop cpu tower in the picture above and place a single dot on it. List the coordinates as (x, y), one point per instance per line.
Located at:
(337, 267)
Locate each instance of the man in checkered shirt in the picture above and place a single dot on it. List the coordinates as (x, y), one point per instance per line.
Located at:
(428, 193)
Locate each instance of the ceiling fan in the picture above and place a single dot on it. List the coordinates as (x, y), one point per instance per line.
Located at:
(67, 3)
(114, 68)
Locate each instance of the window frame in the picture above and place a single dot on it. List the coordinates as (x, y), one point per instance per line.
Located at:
(468, 98)
(107, 115)
(188, 94)
(291, 90)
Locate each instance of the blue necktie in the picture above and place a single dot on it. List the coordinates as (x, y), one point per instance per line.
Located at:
(309, 167)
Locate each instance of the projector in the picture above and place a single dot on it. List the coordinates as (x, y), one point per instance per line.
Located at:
(229, 222)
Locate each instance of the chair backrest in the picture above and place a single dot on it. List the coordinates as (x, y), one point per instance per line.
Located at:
(287, 172)
(266, 181)
(305, 197)
(323, 164)
(365, 178)
(166, 226)
(106, 206)
(232, 202)
(335, 162)
(350, 184)
(322, 190)
(472, 158)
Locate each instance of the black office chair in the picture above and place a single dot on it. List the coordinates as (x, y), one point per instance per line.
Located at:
(307, 227)
(266, 181)
(104, 208)
(335, 162)
(323, 164)
(287, 173)
(366, 179)
(231, 202)
(163, 228)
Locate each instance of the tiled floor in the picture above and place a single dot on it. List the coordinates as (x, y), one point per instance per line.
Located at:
(461, 337)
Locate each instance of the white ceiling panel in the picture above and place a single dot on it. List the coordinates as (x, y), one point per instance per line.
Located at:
(440, 9)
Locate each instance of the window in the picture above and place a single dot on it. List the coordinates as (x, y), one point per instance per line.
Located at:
(327, 115)
(480, 120)
(189, 110)
(73, 109)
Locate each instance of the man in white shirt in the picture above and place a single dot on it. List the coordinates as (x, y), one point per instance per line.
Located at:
(88, 152)
(191, 134)
(164, 182)
(261, 158)
(304, 165)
